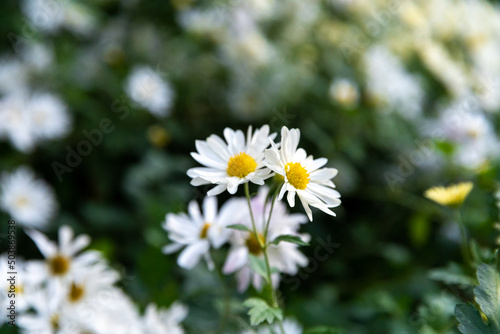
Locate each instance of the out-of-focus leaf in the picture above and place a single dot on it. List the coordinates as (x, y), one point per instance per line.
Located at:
(261, 311)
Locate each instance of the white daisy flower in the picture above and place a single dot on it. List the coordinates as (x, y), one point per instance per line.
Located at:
(163, 321)
(231, 163)
(87, 283)
(48, 317)
(49, 117)
(302, 174)
(198, 232)
(150, 91)
(64, 260)
(28, 200)
(285, 256)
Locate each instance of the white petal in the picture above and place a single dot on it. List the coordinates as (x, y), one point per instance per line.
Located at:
(236, 259)
(191, 255)
(46, 247)
(210, 209)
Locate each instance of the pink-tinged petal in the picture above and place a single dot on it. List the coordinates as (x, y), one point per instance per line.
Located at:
(243, 277)
(191, 255)
(46, 247)
(236, 259)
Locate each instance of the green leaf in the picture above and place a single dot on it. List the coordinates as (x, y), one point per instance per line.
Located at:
(470, 320)
(239, 227)
(258, 265)
(488, 298)
(261, 311)
(451, 274)
(289, 238)
(488, 294)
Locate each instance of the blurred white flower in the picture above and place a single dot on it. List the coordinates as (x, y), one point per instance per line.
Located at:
(231, 163)
(389, 83)
(302, 174)
(344, 92)
(150, 91)
(26, 120)
(161, 321)
(28, 200)
(285, 256)
(198, 232)
(470, 130)
(45, 15)
(15, 123)
(49, 118)
(13, 75)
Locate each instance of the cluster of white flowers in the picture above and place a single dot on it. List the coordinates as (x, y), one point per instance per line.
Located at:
(72, 291)
(261, 219)
(28, 200)
(50, 16)
(472, 132)
(28, 118)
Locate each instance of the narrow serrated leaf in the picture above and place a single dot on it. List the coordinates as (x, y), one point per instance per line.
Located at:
(239, 227)
(294, 239)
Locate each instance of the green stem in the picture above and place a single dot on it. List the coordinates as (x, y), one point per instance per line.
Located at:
(264, 248)
(464, 245)
(226, 301)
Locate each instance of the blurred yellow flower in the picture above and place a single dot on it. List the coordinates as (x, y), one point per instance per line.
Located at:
(453, 195)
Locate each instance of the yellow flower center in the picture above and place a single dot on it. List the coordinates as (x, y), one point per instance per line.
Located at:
(297, 175)
(76, 292)
(204, 230)
(241, 165)
(22, 201)
(59, 264)
(54, 321)
(253, 244)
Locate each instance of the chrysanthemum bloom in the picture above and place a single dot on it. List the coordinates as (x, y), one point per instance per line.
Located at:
(231, 163)
(453, 195)
(28, 200)
(62, 260)
(198, 232)
(302, 174)
(286, 257)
